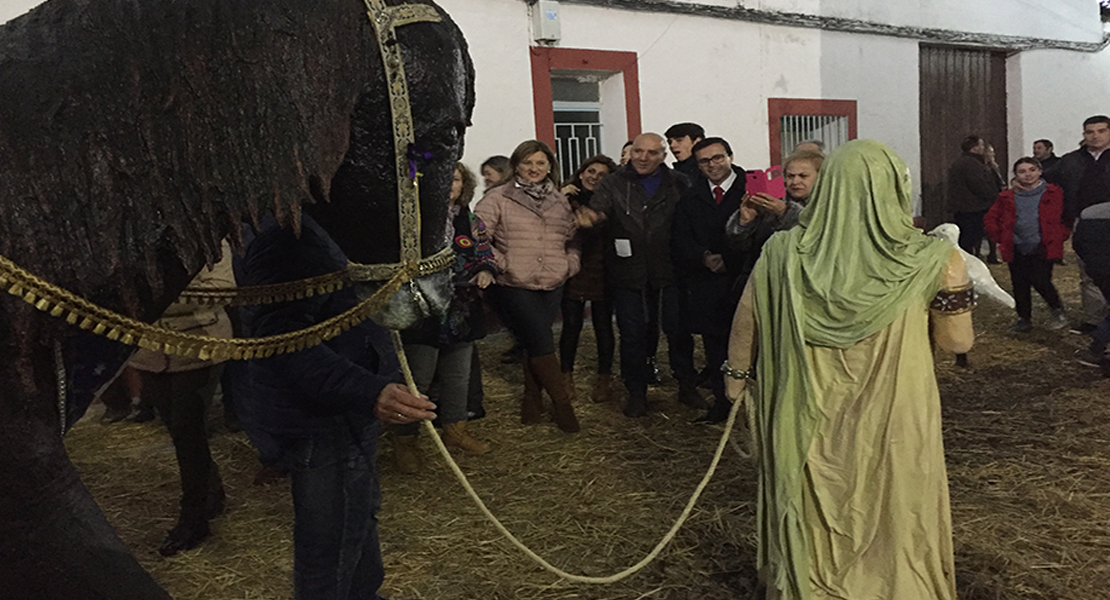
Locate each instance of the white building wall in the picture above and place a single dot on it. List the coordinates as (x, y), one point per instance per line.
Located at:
(1057, 91)
(10, 9)
(1071, 20)
(882, 75)
(499, 35)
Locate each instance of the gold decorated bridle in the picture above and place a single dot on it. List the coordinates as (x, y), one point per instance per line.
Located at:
(76, 310)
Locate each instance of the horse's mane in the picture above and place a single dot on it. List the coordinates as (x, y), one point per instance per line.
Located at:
(135, 134)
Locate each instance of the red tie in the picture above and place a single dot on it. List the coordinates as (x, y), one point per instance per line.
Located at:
(718, 194)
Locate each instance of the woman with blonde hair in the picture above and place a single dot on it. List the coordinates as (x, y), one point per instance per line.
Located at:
(535, 245)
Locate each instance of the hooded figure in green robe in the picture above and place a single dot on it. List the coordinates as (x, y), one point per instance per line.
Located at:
(844, 410)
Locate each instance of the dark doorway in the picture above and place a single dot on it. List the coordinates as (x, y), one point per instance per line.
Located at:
(963, 91)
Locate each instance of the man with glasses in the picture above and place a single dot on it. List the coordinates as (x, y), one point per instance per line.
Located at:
(637, 204)
(711, 268)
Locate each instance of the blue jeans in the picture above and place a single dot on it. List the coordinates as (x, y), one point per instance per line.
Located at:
(336, 554)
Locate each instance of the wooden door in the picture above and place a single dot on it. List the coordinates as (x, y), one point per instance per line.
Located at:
(963, 91)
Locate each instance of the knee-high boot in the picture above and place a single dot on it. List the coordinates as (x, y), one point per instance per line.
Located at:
(531, 406)
(550, 376)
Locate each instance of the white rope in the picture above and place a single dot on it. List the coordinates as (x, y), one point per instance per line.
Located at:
(430, 429)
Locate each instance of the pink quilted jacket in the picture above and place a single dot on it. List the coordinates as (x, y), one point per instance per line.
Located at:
(535, 247)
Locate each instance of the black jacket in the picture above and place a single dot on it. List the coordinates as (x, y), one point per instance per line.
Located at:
(699, 228)
(1085, 181)
(1091, 241)
(311, 392)
(688, 167)
(971, 185)
(646, 222)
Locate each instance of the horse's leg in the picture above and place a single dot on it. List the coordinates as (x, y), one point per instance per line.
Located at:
(54, 541)
(55, 544)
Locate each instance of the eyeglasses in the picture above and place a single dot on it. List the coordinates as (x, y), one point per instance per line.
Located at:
(718, 159)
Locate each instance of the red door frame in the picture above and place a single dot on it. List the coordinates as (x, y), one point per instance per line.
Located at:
(544, 60)
(779, 107)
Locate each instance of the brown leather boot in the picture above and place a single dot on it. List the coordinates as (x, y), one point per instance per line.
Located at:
(406, 454)
(550, 376)
(456, 436)
(603, 389)
(531, 407)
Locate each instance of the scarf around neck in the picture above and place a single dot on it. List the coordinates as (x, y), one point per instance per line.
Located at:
(537, 191)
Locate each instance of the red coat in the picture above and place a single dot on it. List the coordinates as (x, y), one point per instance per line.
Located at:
(1002, 215)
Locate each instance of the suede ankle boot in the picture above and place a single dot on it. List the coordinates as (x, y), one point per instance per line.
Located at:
(550, 377)
(456, 436)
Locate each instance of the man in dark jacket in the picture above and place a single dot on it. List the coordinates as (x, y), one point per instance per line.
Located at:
(971, 192)
(1084, 174)
(1042, 151)
(712, 269)
(681, 138)
(1092, 243)
(325, 406)
(638, 204)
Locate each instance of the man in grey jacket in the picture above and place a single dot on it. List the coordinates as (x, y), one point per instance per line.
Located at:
(971, 192)
(637, 205)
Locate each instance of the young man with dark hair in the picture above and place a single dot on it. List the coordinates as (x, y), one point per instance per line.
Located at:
(681, 138)
(1085, 176)
(971, 192)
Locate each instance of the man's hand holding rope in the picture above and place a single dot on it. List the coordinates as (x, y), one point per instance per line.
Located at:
(397, 406)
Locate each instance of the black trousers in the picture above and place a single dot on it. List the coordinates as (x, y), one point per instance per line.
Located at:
(1032, 271)
(971, 230)
(632, 308)
(531, 313)
(182, 400)
(601, 313)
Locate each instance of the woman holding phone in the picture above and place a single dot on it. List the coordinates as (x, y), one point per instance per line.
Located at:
(762, 214)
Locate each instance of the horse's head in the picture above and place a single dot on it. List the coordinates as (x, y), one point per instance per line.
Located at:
(362, 211)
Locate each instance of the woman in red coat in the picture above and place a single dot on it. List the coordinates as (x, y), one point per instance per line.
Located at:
(1026, 222)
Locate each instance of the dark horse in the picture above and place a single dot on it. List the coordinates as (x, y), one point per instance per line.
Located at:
(134, 136)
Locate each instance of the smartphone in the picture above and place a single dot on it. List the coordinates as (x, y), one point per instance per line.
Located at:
(766, 182)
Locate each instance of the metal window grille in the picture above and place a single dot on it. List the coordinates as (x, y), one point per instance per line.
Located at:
(577, 137)
(832, 130)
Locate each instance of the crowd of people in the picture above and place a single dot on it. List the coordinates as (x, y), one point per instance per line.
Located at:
(829, 331)
(1028, 219)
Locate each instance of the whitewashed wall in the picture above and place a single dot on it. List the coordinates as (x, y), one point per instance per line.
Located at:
(1071, 20)
(1051, 93)
(10, 9)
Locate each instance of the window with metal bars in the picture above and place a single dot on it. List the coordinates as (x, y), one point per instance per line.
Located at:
(577, 111)
(796, 120)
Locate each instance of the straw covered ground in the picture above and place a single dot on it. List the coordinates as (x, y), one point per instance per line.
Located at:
(1027, 432)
